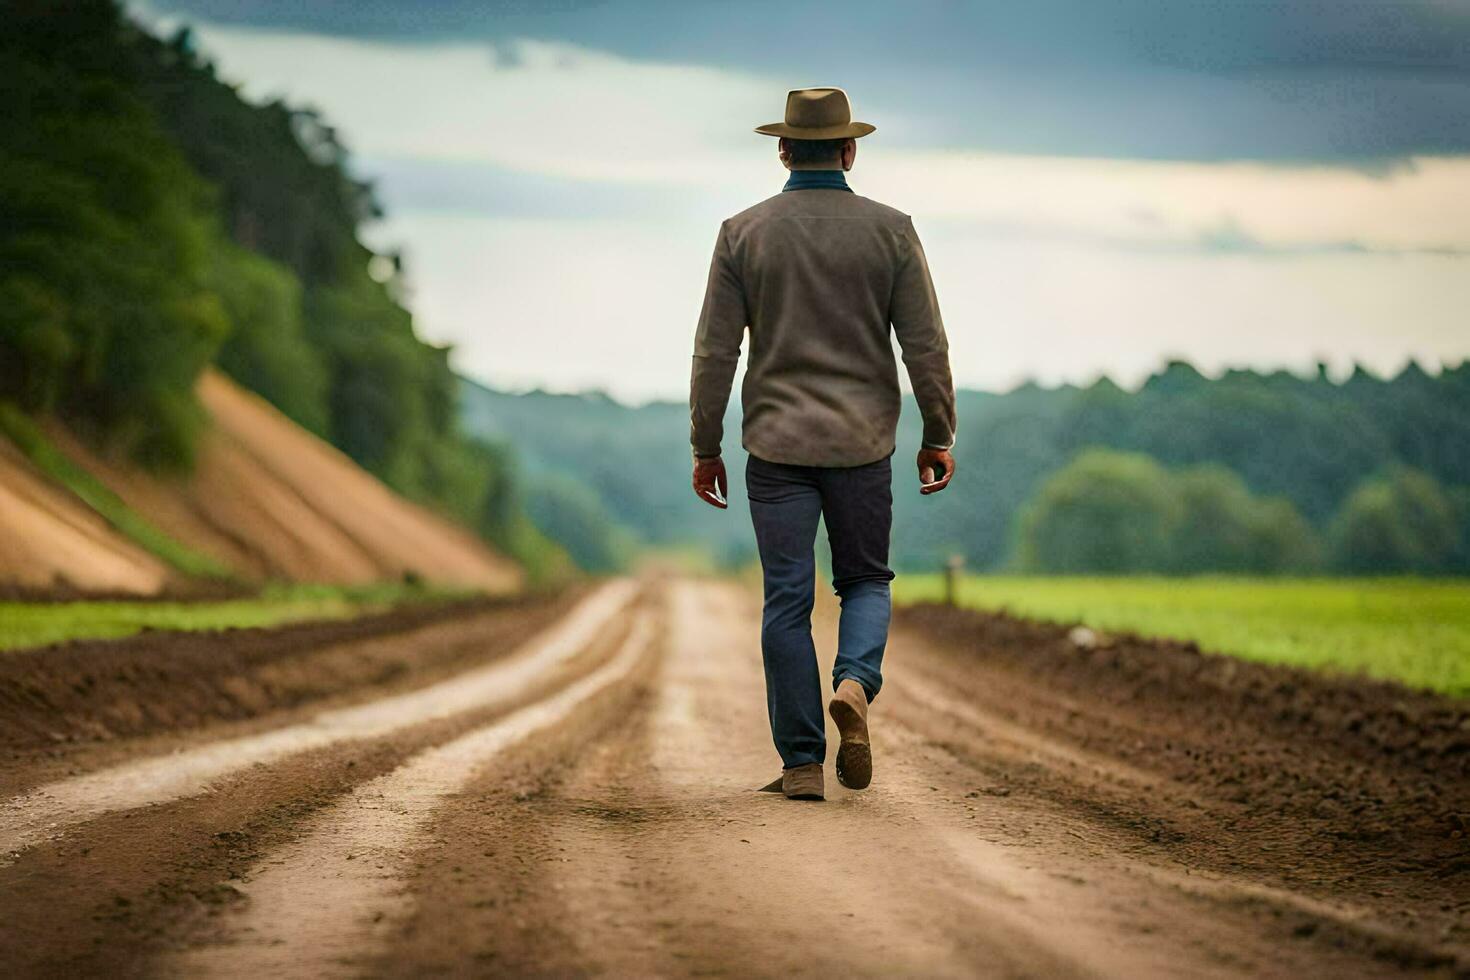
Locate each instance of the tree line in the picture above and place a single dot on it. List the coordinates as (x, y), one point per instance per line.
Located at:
(1268, 473)
(1122, 513)
(1245, 472)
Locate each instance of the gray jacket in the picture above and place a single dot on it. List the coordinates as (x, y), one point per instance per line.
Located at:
(819, 275)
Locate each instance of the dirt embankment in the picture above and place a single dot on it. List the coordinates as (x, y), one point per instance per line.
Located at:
(48, 537)
(266, 499)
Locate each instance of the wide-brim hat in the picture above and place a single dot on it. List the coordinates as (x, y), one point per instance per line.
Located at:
(817, 114)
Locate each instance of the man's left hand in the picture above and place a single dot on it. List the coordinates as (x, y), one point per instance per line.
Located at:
(709, 481)
(936, 466)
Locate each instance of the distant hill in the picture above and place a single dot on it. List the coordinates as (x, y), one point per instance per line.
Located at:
(632, 461)
(1309, 440)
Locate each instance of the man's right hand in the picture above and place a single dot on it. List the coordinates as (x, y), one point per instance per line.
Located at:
(936, 468)
(709, 481)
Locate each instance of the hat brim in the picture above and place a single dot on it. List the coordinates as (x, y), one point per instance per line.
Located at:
(854, 130)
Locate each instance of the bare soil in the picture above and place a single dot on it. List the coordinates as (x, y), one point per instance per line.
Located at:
(86, 699)
(50, 540)
(266, 499)
(1036, 810)
(1343, 788)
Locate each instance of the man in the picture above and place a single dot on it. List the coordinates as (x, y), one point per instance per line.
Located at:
(819, 275)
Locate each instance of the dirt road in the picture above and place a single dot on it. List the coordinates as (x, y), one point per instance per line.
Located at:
(566, 788)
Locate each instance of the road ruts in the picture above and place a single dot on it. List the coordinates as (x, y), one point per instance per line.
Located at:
(589, 808)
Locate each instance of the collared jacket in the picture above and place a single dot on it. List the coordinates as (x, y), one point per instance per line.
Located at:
(819, 276)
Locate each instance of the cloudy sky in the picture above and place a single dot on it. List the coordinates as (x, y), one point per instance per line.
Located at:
(1100, 184)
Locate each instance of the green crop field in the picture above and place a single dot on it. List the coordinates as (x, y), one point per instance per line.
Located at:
(1413, 631)
(31, 624)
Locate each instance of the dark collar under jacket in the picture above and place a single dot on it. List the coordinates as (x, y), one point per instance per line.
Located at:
(803, 180)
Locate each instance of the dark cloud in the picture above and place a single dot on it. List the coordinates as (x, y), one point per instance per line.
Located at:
(1362, 82)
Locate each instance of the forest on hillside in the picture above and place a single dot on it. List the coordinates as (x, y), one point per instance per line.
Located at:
(153, 222)
(1249, 472)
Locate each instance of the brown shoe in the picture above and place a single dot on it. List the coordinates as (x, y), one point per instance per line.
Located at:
(801, 783)
(849, 709)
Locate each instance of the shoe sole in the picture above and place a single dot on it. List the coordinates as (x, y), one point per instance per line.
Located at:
(854, 755)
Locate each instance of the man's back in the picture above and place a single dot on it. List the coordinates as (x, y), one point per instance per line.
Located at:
(819, 275)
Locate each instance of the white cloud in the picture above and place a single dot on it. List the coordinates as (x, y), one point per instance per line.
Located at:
(612, 304)
(527, 302)
(1064, 313)
(1423, 206)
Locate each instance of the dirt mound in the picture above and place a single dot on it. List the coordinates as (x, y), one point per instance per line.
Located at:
(266, 498)
(50, 539)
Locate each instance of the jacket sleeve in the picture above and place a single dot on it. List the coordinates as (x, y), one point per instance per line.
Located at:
(716, 350)
(914, 312)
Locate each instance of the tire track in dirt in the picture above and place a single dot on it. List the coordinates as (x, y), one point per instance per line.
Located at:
(1022, 741)
(317, 906)
(88, 705)
(649, 853)
(46, 811)
(116, 890)
(604, 821)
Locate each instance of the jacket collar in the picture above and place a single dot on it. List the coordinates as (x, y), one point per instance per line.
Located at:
(802, 180)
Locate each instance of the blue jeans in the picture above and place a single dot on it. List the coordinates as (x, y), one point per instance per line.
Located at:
(785, 503)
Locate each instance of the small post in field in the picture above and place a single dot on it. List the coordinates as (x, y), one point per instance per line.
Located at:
(953, 568)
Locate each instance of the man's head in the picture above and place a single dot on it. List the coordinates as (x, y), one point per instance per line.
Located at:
(817, 154)
(818, 132)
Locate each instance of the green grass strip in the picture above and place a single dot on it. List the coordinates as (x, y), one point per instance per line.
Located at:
(19, 428)
(1414, 631)
(33, 624)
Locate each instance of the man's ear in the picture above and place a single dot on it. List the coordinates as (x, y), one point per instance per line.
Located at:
(849, 153)
(783, 150)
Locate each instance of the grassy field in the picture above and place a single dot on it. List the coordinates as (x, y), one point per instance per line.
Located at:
(1416, 632)
(30, 624)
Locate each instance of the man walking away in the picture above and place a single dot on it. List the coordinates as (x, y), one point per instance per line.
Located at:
(819, 275)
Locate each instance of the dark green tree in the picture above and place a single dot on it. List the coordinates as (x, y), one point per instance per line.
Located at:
(1281, 539)
(1110, 512)
(1217, 530)
(268, 349)
(106, 315)
(1401, 521)
(1105, 512)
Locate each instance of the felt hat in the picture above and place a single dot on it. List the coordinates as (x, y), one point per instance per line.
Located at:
(817, 114)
